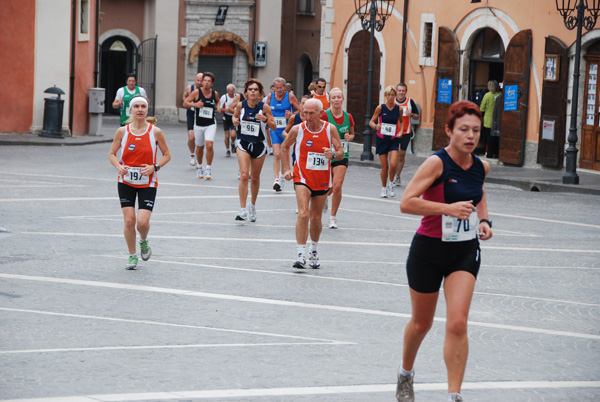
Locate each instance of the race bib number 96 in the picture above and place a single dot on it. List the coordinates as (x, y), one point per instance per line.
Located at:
(250, 128)
(134, 176)
(454, 229)
(316, 161)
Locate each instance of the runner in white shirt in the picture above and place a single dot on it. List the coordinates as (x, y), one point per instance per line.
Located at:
(225, 102)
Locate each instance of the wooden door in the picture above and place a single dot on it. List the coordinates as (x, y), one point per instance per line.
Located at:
(357, 84)
(514, 123)
(447, 68)
(551, 143)
(590, 133)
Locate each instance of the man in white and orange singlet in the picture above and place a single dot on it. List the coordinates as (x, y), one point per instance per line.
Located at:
(316, 143)
(320, 94)
(138, 141)
(409, 111)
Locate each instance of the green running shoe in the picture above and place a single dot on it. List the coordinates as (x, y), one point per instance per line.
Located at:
(133, 260)
(146, 251)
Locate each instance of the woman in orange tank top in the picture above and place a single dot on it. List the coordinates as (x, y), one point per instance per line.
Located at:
(137, 167)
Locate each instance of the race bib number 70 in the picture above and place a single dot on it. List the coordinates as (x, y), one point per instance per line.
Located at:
(454, 229)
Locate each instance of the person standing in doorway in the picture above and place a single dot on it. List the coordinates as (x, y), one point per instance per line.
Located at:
(409, 111)
(205, 100)
(124, 96)
(190, 115)
(487, 108)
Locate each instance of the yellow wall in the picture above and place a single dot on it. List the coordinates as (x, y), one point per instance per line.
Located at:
(507, 17)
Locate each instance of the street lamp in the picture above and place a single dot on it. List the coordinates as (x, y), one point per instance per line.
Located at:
(372, 14)
(566, 8)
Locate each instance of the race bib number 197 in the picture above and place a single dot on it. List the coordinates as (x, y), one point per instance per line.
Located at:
(134, 176)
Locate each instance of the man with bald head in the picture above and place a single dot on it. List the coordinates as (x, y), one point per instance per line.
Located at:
(316, 143)
(190, 117)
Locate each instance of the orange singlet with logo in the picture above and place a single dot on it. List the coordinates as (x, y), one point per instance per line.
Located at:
(311, 167)
(138, 150)
(324, 99)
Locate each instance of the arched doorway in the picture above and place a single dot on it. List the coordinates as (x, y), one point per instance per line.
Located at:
(358, 68)
(304, 75)
(116, 61)
(218, 58)
(486, 63)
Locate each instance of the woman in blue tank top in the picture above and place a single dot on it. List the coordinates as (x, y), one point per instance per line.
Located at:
(251, 117)
(448, 190)
(387, 121)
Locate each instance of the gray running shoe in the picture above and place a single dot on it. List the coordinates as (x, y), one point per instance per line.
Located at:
(397, 180)
(146, 251)
(228, 153)
(200, 173)
(404, 389)
(208, 174)
(390, 190)
(242, 216)
(455, 398)
(313, 258)
(300, 262)
(252, 212)
(132, 264)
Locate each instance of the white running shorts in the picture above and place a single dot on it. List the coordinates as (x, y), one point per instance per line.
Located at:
(205, 133)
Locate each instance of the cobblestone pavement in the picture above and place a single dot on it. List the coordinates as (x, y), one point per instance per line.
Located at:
(219, 314)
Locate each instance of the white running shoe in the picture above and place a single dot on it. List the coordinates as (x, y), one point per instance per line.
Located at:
(200, 173)
(208, 174)
(300, 262)
(313, 258)
(242, 215)
(252, 212)
(397, 180)
(390, 189)
(193, 160)
(383, 192)
(333, 222)
(276, 185)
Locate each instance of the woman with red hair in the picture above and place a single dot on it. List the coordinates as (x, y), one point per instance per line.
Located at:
(448, 190)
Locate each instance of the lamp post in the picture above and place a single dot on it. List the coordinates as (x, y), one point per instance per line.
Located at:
(372, 14)
(566, 8)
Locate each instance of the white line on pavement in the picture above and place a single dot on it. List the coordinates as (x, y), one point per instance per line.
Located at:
(351, 243)
(248, 299)
(168, 324)
(303, 391)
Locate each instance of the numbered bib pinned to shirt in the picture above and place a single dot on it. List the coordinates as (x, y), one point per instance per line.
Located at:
(388, 129)
(249, 128)
(345, 146)
(281, 122)
(134, 176)
(316, 161)
(206, 112)
(454, 229)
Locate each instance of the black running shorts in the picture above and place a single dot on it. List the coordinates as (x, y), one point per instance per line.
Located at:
(146, 196)
(430, 260)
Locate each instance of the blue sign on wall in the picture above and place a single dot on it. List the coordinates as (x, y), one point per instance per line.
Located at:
(444, 91)
(511, 95)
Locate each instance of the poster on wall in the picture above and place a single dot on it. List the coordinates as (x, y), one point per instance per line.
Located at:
(444, 91)
(548, 130)
(511, 95)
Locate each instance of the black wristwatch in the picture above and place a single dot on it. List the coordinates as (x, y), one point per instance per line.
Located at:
(157, 168)
(489, 222)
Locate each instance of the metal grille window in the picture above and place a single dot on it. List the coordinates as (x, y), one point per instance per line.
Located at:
(427, 39)
(306, 7)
